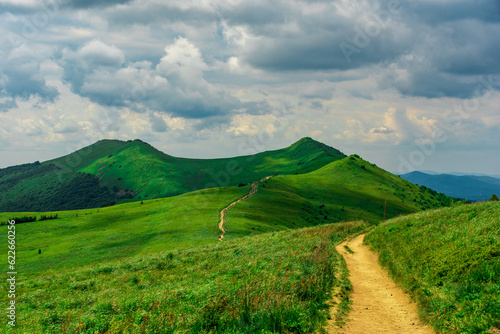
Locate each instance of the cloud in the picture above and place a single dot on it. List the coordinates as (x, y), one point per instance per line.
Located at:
(382, 130)
(176, 85)
(214, 72)
(87, 4)
(96, 53)
(21, 78)
(157, 123)
(252, 125)
(439, 12)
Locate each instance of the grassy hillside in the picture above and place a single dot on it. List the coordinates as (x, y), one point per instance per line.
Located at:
(38, 187)
(347, 189)
(144, 172)
(134, 170)
(271, 283)
(449, 261)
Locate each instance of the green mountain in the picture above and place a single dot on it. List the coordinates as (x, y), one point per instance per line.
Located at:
(42, 187)
(123, 171)
(347, 189)
(140, 171)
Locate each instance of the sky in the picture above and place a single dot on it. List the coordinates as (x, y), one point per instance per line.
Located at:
(408, 85)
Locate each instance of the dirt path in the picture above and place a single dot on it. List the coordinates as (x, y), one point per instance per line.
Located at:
(223, 213)
(378, 305)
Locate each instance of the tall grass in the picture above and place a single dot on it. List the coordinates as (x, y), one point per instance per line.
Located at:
(449, 261)
(272, 283)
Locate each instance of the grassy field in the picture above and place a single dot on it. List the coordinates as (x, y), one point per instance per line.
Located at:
(449, 261)
(271, 283)
(81, 237)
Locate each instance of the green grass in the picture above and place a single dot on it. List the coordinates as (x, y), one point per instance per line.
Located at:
(344, 190)
(81, 237)
(449, 261)
(144, 172)
(272, 283)
(134, 170)
(340, 191)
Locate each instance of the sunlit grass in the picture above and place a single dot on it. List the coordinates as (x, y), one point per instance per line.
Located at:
(449, 260)
(272, 283)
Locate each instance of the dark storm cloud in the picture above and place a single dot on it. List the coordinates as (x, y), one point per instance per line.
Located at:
(467, 48)
(257, 13)
(429, 84)
(160, 12)
(290, 38)
(86, 4)
(320, 52)
(454, 43)
(7, 104)
(456, 39)
(24, 81)
(436, 12)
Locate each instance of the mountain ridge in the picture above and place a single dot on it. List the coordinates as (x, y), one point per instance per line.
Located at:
(134, 170)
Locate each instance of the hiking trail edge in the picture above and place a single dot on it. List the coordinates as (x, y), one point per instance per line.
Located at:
(223, 213)
(378, 304)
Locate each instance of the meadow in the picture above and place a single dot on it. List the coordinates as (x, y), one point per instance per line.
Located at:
(449, 261)
(279, 282)
(80, 237)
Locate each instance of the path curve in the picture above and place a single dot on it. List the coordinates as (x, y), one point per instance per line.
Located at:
(378, 304)
(223, 213)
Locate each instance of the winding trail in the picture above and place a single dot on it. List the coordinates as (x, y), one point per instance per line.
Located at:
(223, 213)
(378, 305)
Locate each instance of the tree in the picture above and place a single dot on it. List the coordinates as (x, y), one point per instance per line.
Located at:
(493, 198)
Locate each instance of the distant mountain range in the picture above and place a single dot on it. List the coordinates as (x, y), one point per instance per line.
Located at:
(471, 187)
(430, 172)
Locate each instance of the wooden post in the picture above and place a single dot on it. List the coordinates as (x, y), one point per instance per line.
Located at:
(385, 207)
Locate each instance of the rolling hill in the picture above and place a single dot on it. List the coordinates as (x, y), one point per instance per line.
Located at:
(134, 170)
(157, 265)
(347, 189)
(471, 187)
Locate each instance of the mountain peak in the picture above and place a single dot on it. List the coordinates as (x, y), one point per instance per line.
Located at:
(309, 144)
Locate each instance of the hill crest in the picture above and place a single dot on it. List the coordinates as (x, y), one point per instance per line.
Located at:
(134, 170)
